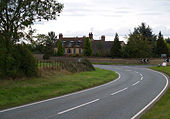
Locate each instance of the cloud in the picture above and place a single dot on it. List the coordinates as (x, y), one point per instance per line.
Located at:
(109, 16)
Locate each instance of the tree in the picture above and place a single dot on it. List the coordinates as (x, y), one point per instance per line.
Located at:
(53, 37)
(60, 51)
(167, 40)
(116, 47)
(137, 47)
(146, 32)
(50, 43)
(161, 46)
(87, 48)
(141, 43)
(16, 15)
(39, 44)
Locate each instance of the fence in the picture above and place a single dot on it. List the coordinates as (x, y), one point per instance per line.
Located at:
(69, 65)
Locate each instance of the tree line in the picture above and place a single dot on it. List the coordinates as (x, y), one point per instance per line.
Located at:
(142, 43)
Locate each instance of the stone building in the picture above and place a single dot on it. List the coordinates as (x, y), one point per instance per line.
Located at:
(75, 45)
(72, 45)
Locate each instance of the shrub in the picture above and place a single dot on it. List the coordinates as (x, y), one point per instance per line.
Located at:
(16, 62)
(7, 66)
(88, 64)
(26, 61)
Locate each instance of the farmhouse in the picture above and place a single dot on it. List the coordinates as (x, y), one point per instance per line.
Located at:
(75, 45)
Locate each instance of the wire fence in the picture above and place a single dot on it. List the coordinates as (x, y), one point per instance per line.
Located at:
(69, 65)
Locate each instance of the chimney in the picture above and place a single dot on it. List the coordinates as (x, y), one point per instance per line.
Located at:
(60, 36)
(103, 37)
(91, 36)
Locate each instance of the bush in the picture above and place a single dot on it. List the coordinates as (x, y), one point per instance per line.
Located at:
(17, 61)
(88, 64)
(27, 63)
(7, 66)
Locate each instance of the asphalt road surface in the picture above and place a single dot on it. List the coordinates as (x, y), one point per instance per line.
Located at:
(124, 98)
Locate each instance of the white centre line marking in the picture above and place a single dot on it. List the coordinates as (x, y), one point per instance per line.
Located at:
(78, 106)
(141, 78)
(128, 70)
(136, 83)
(141, 75)
(119, 91)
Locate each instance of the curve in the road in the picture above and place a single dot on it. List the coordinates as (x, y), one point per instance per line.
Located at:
(124, 98)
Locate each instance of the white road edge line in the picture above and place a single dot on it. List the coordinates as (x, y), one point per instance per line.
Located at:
(78, 106)
(119, 91)
(43, 101)
(135, 116)
(135, 83)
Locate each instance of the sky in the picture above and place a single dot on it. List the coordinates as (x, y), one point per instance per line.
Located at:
(106, 17)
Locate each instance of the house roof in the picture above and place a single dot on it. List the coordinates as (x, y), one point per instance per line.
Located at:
(98, 45)
(72, 42)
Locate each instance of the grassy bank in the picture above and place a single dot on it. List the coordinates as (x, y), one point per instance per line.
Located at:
(52, 84)
(161, 110)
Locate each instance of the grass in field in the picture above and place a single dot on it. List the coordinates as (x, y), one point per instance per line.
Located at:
(51, 84)
(161, 110)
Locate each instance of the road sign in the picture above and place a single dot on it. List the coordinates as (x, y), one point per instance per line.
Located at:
(164, 64)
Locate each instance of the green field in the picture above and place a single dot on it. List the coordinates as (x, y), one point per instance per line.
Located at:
(51, 84)
(161, 110)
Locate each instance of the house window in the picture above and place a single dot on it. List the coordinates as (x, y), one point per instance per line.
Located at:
(63, 42)
(77, 43)
(69, 50)
(74, 50)
(69, 44)
(80, 51)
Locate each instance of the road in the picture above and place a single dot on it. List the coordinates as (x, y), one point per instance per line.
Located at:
(124, 98)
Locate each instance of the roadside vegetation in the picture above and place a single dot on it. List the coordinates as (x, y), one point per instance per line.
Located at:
(161, 109)
(50, 84)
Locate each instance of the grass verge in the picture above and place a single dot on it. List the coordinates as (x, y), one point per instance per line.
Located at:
(52, 84)
(161, 110)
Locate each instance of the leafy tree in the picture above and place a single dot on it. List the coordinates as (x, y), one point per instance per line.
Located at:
(87, 48)
(161, 46)
(116, 47)
(16, 15)
(53, 37)
(60, 51)
(167, 40)
(146, 33)
(137, 47)
(141, 43)
(38, 45)
(50, 43)
(44, 43)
